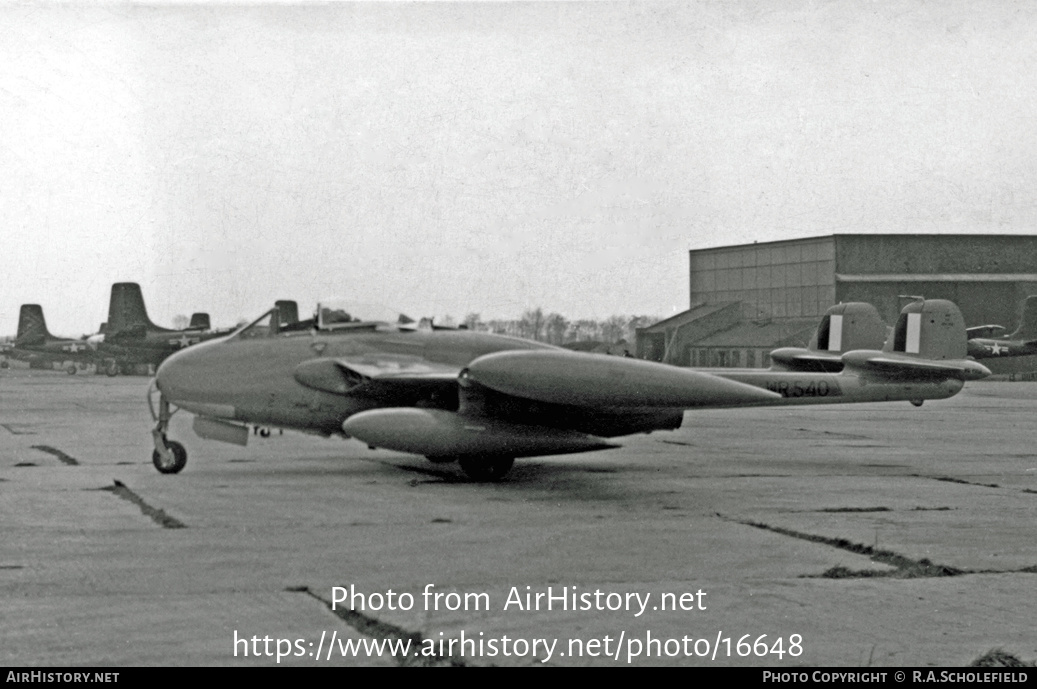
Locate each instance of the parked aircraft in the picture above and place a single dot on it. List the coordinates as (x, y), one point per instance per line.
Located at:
(985, 344)
(36, 345)
(131, 338)
(484, 399)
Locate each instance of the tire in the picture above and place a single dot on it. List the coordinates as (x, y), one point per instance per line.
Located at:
(486, 468)
(179, 458)
(71, 369)
(4, 364)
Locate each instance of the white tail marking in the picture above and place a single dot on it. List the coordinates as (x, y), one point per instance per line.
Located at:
(835, 333)
(912, 345)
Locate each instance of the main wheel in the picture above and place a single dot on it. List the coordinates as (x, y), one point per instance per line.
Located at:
(4, 364)
(179, 458)
(71, 369)
(486, 468)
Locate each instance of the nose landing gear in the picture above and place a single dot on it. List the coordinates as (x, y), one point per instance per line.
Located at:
(169, 456)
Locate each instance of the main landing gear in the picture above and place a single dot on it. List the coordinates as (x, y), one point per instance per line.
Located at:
(169, 456)
(479, 468)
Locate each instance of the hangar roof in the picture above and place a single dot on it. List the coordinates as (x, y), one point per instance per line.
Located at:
(787, 332)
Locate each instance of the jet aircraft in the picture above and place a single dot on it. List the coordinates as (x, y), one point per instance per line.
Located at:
(36, 345)
(483, 400)
(1022, 342)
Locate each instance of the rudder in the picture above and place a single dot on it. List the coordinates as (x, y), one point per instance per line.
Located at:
(289, 311)
(929, 329)
(126, 309)
(849, 326)
(32, 327)
(1027, 329)
(199, 321)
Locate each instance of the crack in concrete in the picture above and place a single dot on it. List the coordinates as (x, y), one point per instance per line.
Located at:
(18, 428)
(71, 461)
(951, 479)
(835, 434)
(156, 515)
(905, 567)
(377, 629)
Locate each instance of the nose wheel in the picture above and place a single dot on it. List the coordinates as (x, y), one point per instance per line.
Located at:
(173, 460)
(169, 456)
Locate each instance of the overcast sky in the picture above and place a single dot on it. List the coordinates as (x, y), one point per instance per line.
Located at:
(451, 158)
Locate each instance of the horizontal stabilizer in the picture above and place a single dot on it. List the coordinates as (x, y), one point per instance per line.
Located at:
(799, 359)
(985, 331)
(908, 368)
(438, 433)
(591, 380)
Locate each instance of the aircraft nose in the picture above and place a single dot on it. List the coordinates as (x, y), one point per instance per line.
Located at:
(199, 377)
(170, 376)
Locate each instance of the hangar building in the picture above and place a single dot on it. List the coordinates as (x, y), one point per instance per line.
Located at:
(747, 300)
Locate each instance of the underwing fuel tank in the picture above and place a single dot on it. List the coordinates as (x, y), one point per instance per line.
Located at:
(438, 433)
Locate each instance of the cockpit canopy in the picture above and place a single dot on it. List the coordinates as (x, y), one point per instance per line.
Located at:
(330, 315)
(333, 314)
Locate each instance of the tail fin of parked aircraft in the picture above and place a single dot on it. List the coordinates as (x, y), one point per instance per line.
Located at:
(32, 328)
(289, 311)
(126, 310)
(1027, 329)
(199, 321)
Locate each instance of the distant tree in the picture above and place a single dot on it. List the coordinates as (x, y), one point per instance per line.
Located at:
(583, 329)
(473, 321)
(532, 323)
(555, 327)
(614, 329)
(180, 321)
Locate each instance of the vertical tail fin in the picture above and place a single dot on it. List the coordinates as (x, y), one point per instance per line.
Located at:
(126, 310)
(850, 326)
(32, 328)
(199, 321)
(1027, 329)
(930, 329)
(289, 311)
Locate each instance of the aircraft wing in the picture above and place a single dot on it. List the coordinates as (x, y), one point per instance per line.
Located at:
(798, 359)
(908, 368)
(556, 377)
